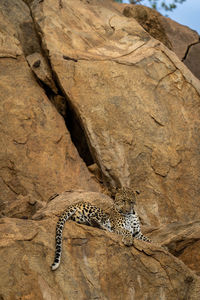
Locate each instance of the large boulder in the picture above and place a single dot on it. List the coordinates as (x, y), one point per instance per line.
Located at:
(58, 202)
(138, 104)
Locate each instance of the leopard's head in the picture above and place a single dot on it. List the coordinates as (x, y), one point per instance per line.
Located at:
(125, 199)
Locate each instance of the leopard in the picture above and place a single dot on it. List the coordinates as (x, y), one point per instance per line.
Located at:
(122, 219)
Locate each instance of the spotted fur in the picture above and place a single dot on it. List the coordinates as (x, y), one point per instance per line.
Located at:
(122, 220)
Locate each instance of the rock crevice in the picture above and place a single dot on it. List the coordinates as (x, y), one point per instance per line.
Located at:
(58, 97)
(188, 49)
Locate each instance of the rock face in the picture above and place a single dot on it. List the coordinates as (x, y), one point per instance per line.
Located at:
(181, 239)
(175, 36)
(37, 157)
(192, 58)
(16, 17)
(130, 114)
(138, 104)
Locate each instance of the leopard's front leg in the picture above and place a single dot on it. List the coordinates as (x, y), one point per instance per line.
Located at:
(127, 238)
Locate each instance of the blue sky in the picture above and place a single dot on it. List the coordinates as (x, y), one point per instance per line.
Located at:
(187, 13)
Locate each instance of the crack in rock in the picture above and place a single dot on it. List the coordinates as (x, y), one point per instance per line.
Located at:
(188, 49)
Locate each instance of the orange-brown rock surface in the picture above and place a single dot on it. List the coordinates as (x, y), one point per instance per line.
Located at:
(95, 265)
(57, 203)
(181, 239)
(137, 104)
(130, 113)
(192, 58)
(179, 38)
(37, 156)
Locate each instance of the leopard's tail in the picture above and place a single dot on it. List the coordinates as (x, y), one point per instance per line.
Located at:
(59, 229)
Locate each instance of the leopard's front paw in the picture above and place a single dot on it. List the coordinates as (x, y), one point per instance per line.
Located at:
(127, 240)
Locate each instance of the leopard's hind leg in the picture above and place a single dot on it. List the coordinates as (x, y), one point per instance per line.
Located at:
(140, 236)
